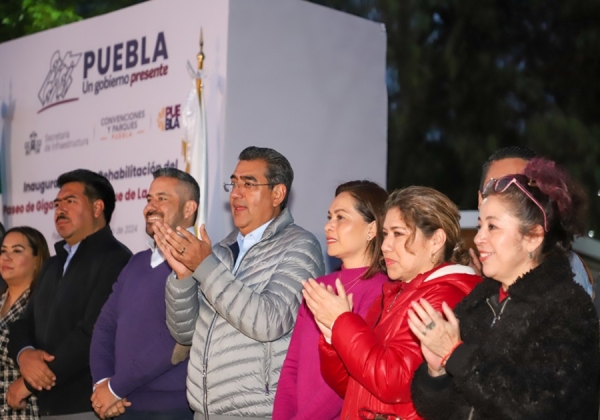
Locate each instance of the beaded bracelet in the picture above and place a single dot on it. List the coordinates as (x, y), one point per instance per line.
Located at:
(447, 356)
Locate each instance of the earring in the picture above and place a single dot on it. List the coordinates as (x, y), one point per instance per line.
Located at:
(368, 237)
(530, 254)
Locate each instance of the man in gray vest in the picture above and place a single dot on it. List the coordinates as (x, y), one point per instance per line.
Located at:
(236, 302)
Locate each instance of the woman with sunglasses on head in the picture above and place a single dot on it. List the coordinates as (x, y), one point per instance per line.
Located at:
(22, 253)
(527, 343)
(371, 362)
(354, 218)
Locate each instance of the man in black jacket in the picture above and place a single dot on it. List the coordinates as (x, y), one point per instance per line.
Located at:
(51, 342)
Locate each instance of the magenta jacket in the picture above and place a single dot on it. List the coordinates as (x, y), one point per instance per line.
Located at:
(302, 392)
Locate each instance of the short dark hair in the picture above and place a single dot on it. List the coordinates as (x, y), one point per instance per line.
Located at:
(96, 187)
(2, 231)
(189, 183)
(279, 170)
(508, 152)
(38, 244)
(369, 202)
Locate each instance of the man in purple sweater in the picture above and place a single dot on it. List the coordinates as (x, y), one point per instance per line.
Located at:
(139, 371)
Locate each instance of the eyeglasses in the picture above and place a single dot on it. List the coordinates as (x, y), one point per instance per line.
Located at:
(501, 184)
(366, 414)
(228, 187)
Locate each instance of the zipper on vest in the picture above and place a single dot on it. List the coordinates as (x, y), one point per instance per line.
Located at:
(205, 365)
(267, 367)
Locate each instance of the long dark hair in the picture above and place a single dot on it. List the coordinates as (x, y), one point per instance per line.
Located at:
(369, 202)
(38, 245)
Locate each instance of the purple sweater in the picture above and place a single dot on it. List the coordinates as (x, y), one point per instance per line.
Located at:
(302, 392)
(131, 343)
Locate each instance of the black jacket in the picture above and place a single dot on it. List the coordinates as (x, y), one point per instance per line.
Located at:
(540, 360)
(61, 314)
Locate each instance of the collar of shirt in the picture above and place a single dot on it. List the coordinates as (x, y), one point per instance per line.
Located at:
(246, 242)
(157, 257)
(71, 250)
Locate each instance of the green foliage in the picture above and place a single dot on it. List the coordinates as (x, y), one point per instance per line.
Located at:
(466, 77)
(25, 17)
(30, 16)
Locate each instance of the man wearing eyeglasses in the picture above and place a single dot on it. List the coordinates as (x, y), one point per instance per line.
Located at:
(512, 160)
(236, 302)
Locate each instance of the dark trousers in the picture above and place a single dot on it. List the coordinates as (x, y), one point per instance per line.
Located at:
(178, 414)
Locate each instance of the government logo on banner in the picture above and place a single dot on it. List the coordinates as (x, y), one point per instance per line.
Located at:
(52, 142)
(104, 68)
(34, 144)
(107, 68)
(123, 125)
(58, 80)
(168, 117)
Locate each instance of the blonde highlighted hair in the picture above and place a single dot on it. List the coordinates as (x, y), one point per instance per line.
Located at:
(428, 210)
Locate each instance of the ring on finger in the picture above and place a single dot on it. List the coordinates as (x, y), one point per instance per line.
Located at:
(430, 326)
(182, 250)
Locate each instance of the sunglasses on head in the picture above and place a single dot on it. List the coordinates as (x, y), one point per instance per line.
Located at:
(501, 184)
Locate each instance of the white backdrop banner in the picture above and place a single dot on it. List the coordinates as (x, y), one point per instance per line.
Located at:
(107, 94)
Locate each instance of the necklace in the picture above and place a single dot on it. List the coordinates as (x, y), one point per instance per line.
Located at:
(354, 281)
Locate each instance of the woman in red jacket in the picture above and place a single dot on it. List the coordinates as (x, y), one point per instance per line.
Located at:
(371, 362)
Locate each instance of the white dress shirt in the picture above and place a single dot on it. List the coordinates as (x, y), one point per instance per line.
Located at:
(246, 242)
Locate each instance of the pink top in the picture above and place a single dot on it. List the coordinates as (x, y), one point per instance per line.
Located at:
(302, 392)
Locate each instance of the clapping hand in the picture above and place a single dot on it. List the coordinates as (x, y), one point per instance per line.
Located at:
(325, 305)
(438, 336)
(182, 250)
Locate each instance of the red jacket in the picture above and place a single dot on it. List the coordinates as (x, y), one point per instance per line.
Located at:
(371, 362)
